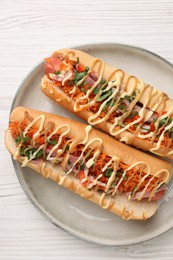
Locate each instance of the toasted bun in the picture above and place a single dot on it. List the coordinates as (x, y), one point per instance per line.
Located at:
(119, 203)
(61, 98)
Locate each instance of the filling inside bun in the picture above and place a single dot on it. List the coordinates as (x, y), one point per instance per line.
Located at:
(109, 100)
(39, 142)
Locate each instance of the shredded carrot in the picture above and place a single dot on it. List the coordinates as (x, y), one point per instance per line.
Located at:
(40, 140)
(130, 180)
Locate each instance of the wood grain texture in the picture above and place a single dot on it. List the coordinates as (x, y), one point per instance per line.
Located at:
(29, 31)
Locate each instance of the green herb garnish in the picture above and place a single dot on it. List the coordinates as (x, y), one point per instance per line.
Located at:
(82, 167)
(67, 148)
(87, 68)
(122, 106)
(121, 124)
(111, 103)
(105, 108)
(69, 163)
(29, 152)
(133, 113)
(83, 90)
(133, 191)
(77, 60)
(102, 82)
(39, 154)
(96, 91)
(79, 76)
(71, 82)
(22, 151)
(104, 95)
(128, 98)
(57, 72)
(108, 172)
(162, 121)
(108, 104)
(113, 185)
(169, 121)
(26, 139)
(120, 174)
(134, 95)
(19, 138)
(171, 132)
(53, 142)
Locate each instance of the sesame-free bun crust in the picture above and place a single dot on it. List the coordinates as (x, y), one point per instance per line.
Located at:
(57, 95)
(119, 205)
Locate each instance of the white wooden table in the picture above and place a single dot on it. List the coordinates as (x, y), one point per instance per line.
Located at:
(29, 31)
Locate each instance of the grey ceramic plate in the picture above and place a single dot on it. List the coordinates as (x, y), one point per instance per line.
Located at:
(67, 210)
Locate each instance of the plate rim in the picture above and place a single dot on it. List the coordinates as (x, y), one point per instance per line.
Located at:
(15, 163)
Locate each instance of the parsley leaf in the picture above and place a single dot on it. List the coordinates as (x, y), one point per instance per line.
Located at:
(71, 82)
(120, 174)
(28, 153)
(134, 95)
(128, 98)
(95, 91)
(83, 90)
(26, 139)
(87, 68)
(169, 121)
(57, 72)
(133, 113)
(104, 95)
(53, 142)
(103, 81)
(69, 163)
(67, 147)
(162, 121)
(39, 154)
(105, 108)
(133, 191)
(108, 104)
(171, 132)
(82, 166)
(108, 172)
(79, 76)
(122, 106)
(22, 151)
(19, 138)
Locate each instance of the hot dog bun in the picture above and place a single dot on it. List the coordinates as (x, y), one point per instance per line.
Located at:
(118, 204)
(55, 93)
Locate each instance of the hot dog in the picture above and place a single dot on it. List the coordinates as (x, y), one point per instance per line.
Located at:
(90, 163)
(110, 99)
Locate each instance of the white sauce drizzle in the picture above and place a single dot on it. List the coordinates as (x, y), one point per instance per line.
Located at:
(97, 146)
(59, 152)
(37, 134)
(138, 86)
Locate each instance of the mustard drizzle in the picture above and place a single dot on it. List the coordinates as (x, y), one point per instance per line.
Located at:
(116, 79)
(97, 147)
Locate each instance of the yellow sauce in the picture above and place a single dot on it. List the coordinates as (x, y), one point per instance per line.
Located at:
(116, 80)
(97, 148)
